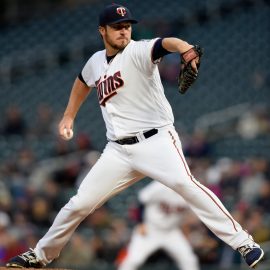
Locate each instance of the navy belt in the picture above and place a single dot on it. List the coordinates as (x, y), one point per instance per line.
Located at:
(133, 140)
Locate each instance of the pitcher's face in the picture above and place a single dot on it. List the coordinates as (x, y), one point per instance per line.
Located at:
(116, 36)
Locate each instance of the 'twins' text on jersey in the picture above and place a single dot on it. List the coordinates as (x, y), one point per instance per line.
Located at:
(107, 88)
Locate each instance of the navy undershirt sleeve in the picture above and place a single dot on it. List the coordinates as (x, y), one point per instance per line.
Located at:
(158, 50)
(80, 77)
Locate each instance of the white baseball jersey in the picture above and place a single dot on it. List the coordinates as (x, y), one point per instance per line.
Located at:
(163, 206)
(140, 103)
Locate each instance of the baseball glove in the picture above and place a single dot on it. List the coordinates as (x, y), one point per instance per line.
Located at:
(187, 75)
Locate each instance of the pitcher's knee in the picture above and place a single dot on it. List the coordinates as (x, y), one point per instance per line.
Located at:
(186, 187)
(181, 184)
(82, 206)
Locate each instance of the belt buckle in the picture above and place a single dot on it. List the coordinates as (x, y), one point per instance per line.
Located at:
(131, 140)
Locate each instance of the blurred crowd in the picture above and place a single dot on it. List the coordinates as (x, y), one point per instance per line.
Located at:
(32, 190)
(16, 11)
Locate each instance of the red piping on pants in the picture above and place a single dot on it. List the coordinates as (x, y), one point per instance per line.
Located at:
(191, 178)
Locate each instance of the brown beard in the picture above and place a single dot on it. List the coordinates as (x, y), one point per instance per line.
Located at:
(113, 45)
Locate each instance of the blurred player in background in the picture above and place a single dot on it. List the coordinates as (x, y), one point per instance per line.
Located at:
(162, 214)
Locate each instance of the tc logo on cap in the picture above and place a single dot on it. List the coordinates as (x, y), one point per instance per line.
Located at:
(121, 11)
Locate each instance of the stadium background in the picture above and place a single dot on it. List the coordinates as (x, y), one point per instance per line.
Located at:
(224, 122)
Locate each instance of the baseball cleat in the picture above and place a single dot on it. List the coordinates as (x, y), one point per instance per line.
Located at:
(252, 254)
(25, 260)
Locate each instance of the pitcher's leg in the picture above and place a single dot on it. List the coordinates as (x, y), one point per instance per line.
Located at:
(205, 203)
(161, 158)
(109, 175)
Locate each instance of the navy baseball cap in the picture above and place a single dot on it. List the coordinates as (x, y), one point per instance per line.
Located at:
(115, 13)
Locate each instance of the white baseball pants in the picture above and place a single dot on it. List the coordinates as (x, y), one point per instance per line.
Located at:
(159, 157)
